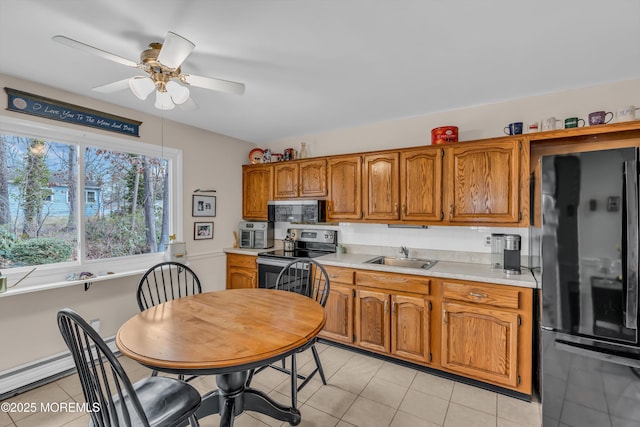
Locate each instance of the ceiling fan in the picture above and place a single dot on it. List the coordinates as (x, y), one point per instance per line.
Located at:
(161, 62)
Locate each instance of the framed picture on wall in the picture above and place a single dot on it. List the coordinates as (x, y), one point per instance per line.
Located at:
(202, 230)
(203, 206)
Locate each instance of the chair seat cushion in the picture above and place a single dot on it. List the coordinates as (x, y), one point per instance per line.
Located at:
(165, 401)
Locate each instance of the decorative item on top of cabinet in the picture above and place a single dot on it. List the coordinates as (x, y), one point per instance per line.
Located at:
(339, 306)
(242, 271)
(487, 333)
(393, 314)
(483, 181)
(257, 190)
(300, 179)
(344, 178)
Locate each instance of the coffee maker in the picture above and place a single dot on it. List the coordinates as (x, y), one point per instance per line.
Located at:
(511, 263)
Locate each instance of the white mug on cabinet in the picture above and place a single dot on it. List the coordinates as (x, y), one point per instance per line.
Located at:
(627, 113)
(549, 123)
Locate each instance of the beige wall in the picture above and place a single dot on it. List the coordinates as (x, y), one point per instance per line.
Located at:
(476, 122)
(28, 328)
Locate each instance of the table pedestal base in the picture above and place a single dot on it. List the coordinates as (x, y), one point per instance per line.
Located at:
(233, 397)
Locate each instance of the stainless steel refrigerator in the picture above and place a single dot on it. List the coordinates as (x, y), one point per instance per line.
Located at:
(589, 337)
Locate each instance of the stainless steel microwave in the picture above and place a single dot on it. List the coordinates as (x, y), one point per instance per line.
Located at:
(256, 235)
(297, 211)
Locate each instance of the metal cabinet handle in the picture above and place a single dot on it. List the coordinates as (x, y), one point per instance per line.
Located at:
(395, 208)
(476, 295)
(404, 209)
(386, 306)
(393, 307)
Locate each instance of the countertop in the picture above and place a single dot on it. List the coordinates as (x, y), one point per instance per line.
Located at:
(442, 269)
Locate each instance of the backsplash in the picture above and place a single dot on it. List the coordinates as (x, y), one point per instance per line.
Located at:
(459, 242)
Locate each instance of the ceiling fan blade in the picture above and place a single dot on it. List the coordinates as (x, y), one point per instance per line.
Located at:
(113, 87)
(175, 50)
(214, 84)
(94, 50)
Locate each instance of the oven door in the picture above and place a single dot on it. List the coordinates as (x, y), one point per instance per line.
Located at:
(269, 269)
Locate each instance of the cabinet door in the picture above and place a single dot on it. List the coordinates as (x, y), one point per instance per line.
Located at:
(285, 180)
(480, 342)
(380, 179)
(483, 181)
(345, 190)
(339, 311)
(257, 190)
(410, 323)
(421, 184)
(372, 320)
(239, 278)
(313, 178)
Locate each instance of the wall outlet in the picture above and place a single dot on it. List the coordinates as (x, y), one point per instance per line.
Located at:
(487, 240)
(95, 324)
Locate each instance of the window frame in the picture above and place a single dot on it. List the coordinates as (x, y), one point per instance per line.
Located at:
(55, 275)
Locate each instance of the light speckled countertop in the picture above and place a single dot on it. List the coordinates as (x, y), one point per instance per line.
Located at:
(443, 269)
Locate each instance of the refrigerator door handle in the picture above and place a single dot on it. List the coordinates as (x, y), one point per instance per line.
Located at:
(631, 273)
(594, 354)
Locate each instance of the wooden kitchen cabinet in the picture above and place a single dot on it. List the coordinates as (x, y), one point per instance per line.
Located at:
(393, 314)
(344, 188)
(487, 333)
(483, 182)
(257, 190)
(339, 307)
(242, 271)
(380, 177)
(421, 184)
(306, 178)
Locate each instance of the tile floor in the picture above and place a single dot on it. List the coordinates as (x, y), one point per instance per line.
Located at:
(361, 391)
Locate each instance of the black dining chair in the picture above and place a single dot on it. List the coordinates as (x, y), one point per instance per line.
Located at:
(164, 282)
(307, 277)
(111, 397)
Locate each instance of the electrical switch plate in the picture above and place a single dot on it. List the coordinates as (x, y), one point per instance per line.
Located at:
(487, 240)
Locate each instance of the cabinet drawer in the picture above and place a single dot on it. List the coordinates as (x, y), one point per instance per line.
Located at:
(394, 281)
(246, 261)
(339, 275)
(497, 296)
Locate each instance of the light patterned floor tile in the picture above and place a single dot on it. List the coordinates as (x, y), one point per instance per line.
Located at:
(332, 400)
(404, 419)
(384, 392)
(433, 385)
(366, 413)
(312, 417)
(475, 398)
(519, 411)
(396, 374)
(462, 416)
(426, 406)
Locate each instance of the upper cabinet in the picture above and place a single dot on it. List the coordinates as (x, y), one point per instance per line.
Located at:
(300, 179)
(421, 184)
(344, 182)
(381, 181)
(470, 183)
(257, 190)
(483, 182)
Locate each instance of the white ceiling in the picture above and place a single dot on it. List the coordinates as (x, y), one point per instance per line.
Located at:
(315, 65)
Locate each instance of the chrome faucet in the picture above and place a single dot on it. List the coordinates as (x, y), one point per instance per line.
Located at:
(404, 251)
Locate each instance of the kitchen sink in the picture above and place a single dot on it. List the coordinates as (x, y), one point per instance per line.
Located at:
(425, 264)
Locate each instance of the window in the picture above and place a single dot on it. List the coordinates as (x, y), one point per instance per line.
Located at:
(123, 216)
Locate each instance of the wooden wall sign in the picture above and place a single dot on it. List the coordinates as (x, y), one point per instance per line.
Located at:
(36, 105)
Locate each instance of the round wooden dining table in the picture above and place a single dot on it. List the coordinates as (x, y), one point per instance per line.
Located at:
(224, 333)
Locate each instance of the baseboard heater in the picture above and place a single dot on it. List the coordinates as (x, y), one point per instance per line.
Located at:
(35, 374)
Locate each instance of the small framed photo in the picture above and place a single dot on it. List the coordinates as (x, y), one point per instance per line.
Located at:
(203, 206)
(202, 230)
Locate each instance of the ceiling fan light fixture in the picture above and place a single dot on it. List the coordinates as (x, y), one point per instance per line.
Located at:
(179, 94)
(163, 101)
(141, 86)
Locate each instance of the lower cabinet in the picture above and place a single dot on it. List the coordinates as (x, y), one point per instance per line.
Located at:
(339, 306)
(242, 271)
(477, 330)
(393, 321)
(487, 333)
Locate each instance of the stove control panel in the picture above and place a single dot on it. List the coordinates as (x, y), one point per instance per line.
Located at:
(313, 235)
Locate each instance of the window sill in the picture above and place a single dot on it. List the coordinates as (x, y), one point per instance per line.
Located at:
(19, 290)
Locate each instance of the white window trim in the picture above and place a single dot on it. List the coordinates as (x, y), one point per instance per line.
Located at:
(50, 276)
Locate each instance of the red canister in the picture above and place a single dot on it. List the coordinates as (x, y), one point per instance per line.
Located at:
(444, 134)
